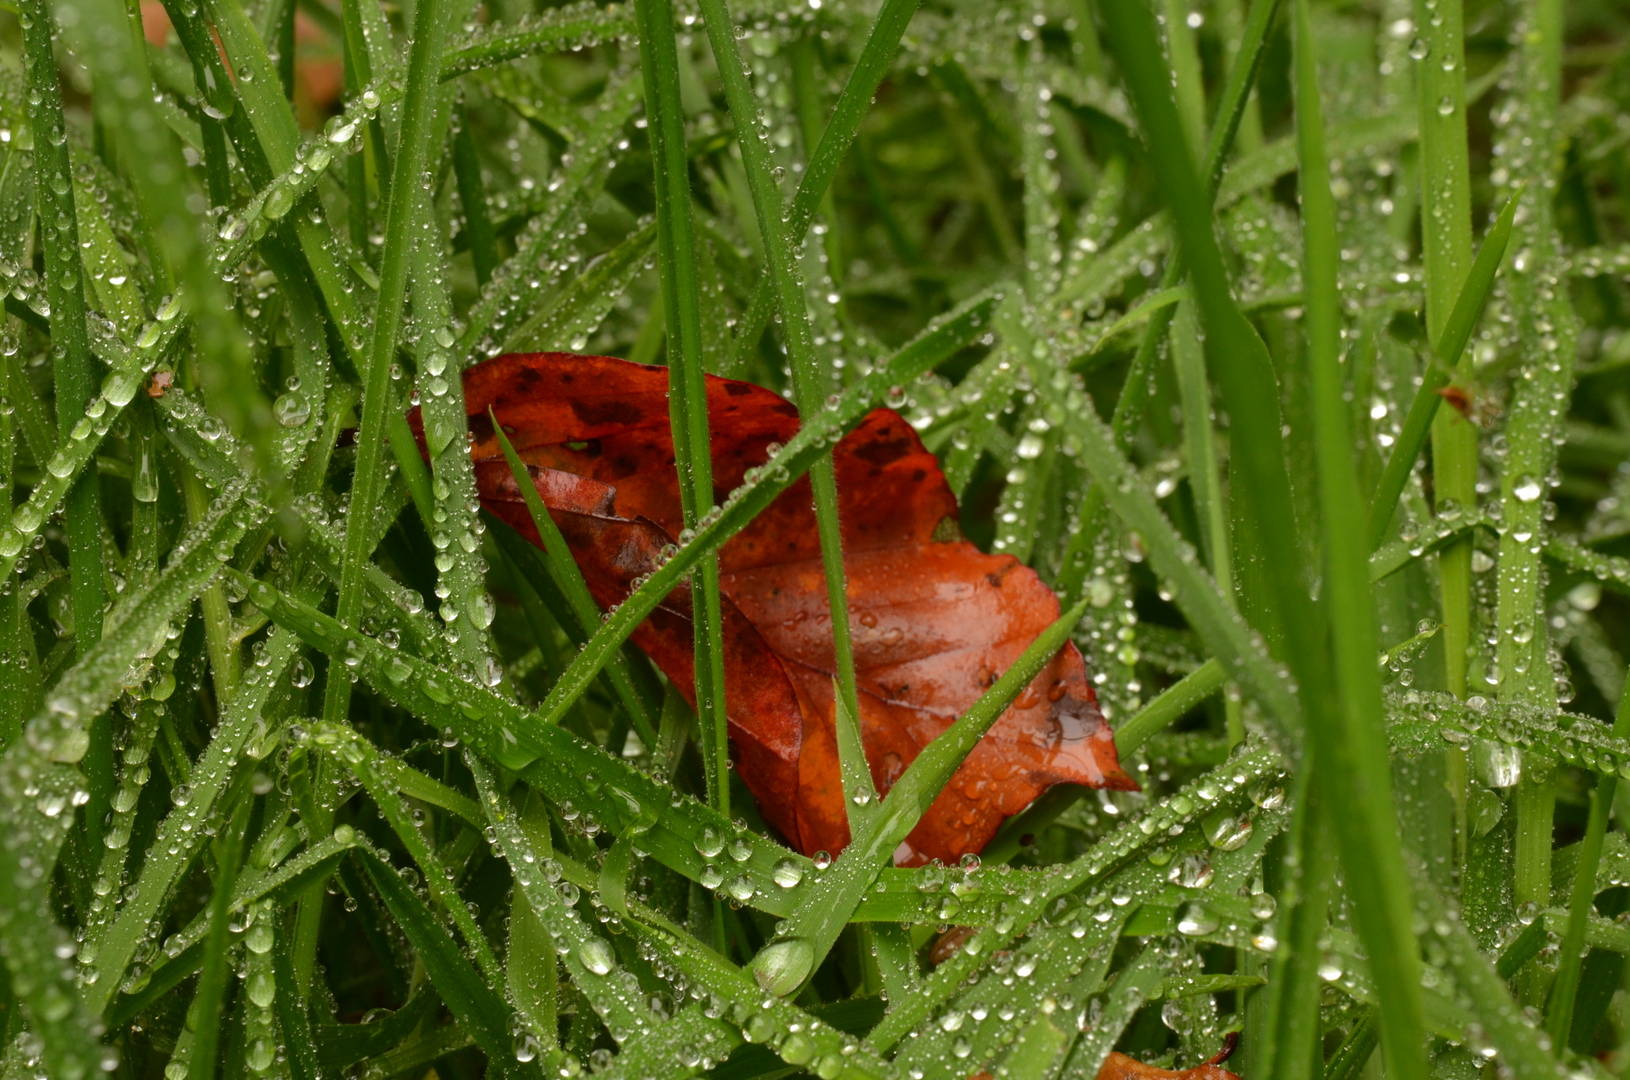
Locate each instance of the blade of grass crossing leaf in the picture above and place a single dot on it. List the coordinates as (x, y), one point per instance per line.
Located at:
(811, 385)
(1468, 310)
(859, 793)
(682, 308)
(64, 286)
(1355, 763)
(466, 608)
(942, 339)
(1170, 706)
(804, 939)
(563, 570)
(934, 345)
(404, 213)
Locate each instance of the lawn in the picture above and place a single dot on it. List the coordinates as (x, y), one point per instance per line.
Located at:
(1209, 423)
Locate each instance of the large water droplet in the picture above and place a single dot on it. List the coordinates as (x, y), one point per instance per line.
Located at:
(782, 966)
(596, 956)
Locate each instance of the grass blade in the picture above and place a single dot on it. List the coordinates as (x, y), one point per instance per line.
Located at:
(404, 213)
(1468, 310)
(688, 409)
(479, 1010)
(65, 289)
(1355, 763)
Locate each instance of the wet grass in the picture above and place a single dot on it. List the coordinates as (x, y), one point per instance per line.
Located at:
(1289, 343)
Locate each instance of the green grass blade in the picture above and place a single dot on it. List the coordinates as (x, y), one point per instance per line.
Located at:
(385, 786)
(72, 458)
(1193, 590)
(177, 839)
(1501, 1018)
(65, 289)
(472, 194)
(1261, 486)
(405, 212)
(480, 1010)
(292, 1018)
(588, 958)
(1131, 989)
(570, 26)
(1445, 217)
(209, 999)
(571, 318)
(530, 961)
(860, 800)
(1355, 763)
(1468, 310)
(1546, 338)
(1134, 397)
(1199, 448)
(39, 800)
(1565, 984)
(1172, 703)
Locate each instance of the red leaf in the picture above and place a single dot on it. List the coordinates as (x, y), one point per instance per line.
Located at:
(934, 619)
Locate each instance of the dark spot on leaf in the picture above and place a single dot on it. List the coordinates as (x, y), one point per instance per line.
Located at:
(597, 411)
(883, 451)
